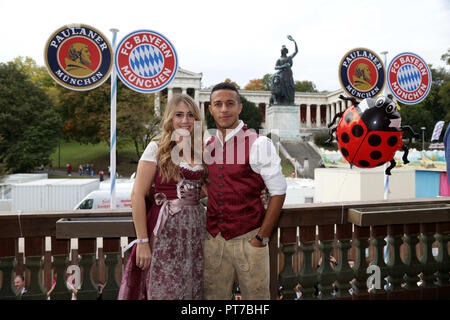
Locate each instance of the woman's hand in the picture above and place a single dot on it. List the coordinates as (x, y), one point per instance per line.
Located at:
(143, 255)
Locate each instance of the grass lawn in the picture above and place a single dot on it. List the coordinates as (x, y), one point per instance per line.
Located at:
(76, 154)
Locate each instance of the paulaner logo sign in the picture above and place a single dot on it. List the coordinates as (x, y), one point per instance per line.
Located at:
(146, 61)
(362, 74)
(78, 57)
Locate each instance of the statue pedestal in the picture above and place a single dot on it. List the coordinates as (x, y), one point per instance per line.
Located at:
(285, 119)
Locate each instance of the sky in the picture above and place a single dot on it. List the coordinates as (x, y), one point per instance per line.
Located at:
(241, 40)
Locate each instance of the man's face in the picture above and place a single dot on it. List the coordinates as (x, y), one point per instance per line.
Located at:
(225, 108)
(18, 283)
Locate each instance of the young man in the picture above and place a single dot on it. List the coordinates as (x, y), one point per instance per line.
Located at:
(241, 165)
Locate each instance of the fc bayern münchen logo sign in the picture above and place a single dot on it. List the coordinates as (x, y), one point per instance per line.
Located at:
(409, 78)
(146, 61)
(78, 57)
(362, 74)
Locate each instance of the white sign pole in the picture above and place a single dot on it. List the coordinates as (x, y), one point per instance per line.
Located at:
(112, 151)
(387, 164)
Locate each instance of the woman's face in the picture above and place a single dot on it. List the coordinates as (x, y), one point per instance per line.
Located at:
(183, 118)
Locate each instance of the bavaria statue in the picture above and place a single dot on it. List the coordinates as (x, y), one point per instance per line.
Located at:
(282, 82)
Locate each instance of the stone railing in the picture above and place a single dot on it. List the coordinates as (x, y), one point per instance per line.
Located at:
(309, 235)
(301, 249)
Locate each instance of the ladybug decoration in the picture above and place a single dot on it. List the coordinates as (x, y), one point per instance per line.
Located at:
(369, 133)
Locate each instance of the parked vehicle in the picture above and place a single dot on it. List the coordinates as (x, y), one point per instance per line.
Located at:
(101, 199)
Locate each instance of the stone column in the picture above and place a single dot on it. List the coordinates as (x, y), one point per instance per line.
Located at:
(333, 109)
(318, 124)
(183, 90)
(157, 104)
(202, 109)
(308, 116)
(169, 93)
(197, 96)
(328, 120)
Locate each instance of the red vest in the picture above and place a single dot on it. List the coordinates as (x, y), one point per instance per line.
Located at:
(234, 203)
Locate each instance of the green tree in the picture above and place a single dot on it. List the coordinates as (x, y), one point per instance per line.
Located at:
(29, 127)
(266, 81)
(305, 86)
(255, 84)
(250, 114)
(86, 116)
(232, 82)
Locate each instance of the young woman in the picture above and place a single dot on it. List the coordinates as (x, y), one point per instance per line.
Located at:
(167, 260)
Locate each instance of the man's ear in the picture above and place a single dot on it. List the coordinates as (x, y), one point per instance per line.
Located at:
(240, 108)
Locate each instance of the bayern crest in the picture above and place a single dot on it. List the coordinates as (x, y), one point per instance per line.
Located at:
(146, 61)
(78, 57)
(409, 78)
(362, 74)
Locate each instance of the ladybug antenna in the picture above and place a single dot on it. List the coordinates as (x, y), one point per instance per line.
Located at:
(355, 102)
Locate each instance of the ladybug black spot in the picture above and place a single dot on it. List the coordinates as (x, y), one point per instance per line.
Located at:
(349, 117)
(375, 155)
(392, 141)
(363, 163)
(374, 140)
(357, 131)
(380, 164)
(344, 152)
(345, 137)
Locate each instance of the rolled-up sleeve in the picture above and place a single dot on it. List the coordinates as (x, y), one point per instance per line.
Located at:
(265, 161)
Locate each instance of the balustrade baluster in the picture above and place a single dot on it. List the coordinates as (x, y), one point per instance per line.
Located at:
(325, 274)
(396, 267)
(361, 241)
(111, 247)
(8, 262)
(86, 249)
(413, 266)
(288, 278)
(307, 275)
(429, 264)
(443, 273)
(60, 252)
(34, 252)
(378, 233)
(344, 273)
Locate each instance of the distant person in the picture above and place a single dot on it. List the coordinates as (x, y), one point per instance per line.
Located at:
(101, 173)
(80, 170)
(69, 169)
(91, 169)
(19, 283)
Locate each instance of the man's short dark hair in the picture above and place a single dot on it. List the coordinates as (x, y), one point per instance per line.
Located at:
(226, 86)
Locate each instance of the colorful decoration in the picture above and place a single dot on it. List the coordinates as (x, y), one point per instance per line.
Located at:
(78, 57)
(370, 132)
(362, 74)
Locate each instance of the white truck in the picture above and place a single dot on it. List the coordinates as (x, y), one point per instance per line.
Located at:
(100, 199)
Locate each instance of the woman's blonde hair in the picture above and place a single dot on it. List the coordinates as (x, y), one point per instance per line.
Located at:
(166, 165)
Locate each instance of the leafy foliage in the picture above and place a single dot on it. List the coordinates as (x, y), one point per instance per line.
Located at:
(305, 86)
(250, 115)
(29, 127)
(255, 84)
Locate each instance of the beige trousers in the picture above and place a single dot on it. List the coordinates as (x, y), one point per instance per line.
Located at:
(224, 258)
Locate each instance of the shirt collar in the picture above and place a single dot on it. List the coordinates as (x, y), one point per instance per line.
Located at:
(231, 134)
